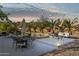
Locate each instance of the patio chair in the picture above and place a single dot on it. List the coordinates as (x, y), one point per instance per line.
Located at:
(29, 41)
(16, 41)
(21, 43)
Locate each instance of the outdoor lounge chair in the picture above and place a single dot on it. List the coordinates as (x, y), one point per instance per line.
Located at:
(21, 43)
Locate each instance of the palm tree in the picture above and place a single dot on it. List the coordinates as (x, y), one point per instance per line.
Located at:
(69, 25)
(3, 16)
(32, 25)
(53, 24)
(57, 25)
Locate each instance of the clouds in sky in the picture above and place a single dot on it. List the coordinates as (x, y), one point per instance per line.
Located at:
(71, 9)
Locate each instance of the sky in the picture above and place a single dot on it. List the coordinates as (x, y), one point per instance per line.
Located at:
(68, 9)
(71, 9)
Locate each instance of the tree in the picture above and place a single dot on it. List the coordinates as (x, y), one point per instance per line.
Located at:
(69, 25)
(3, 16)
(58, 25)
(5, 27)
(53, 24)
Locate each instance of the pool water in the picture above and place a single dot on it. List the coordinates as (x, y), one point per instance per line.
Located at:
(39, 47)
